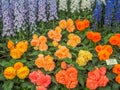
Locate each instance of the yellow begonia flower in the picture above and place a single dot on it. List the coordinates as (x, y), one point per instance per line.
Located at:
(22, 46)
(9, 73)
(23, 72)
(15, 53)
(81, 61)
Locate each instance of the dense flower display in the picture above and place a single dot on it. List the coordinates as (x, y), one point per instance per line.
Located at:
(62, 47)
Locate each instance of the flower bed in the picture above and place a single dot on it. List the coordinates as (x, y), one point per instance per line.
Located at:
(69, 56)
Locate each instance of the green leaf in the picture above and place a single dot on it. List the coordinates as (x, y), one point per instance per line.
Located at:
(35, 53)
(28, 85)
(2, 76)
(105, 88)
(8, 85)
(111, 76)
(81, 80)
(115, 86)
(68, 60)
(54, 80)
(106, 39)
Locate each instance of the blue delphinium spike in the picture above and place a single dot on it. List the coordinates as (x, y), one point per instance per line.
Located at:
(117, 13)
(97, 14)
(109, 10)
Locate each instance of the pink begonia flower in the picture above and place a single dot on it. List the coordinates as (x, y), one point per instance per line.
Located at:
(102, 70)
(44, 80)
(103, 81)
(94, 75)
(40, 88)
(91, 84)
(34, 76)
(97, 78)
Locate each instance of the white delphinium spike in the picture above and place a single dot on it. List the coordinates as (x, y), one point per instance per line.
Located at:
(75, 6)
(63, 5)
(92, 2)
(103, 1)
(86, 4)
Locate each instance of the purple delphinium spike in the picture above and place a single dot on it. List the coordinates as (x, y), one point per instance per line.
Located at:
(7, 18)
(97, 14)
(42, 10)
(19, 14)
(32, 4)
(109, 9)
(52, 9)
(117, 13)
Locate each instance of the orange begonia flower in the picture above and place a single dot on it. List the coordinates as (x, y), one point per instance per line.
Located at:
(18, 65)
(63, 65)
(43, 47)
(96, 37)
(70, 25)
(68, 77)
(80, 26)
(63, 24)
(61, 77)
(117, 79)
(98, 48)
(58, 29)
(90, 35)
(54, 35)
(103, 55)
(35, 42)
(72, 43)
(10, 45)
(40, 62)
(113, 40)
(63, 52)
(55, 43)
(42, 39)
(49, 63)
(86, 23)
(116, 69)
(71, 84)
(35, 36)
(108, 48)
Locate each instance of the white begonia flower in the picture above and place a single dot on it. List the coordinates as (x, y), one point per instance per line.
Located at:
(63, 5)
(75, 6)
